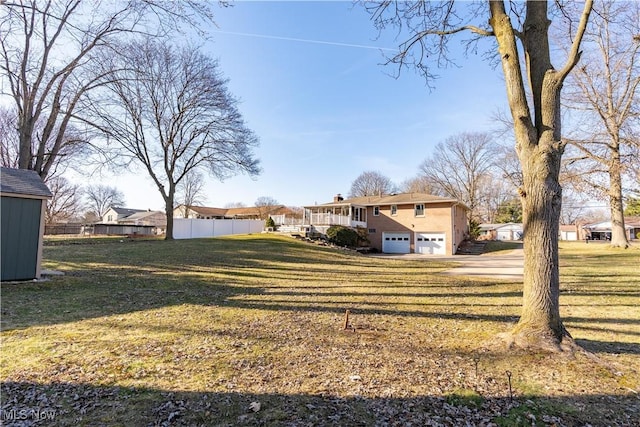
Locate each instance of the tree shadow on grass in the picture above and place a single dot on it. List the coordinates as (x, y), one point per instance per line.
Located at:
(116, 292)
(611, 347)
(256, 274)
(70, 404)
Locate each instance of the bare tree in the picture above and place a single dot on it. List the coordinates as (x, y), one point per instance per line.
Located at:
(9, 147)
(459, 165)
(65, 202)
(168, 110)
(604, 93)
(536, 124)
(102, 197)
(73, 144)
(494, 191)
(46, 52)
(231, 205)
(573, 208)
(420, 184)
(266, 206)
(190, 192)
(371, 183)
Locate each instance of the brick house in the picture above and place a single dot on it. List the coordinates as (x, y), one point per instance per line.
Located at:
(397, 223)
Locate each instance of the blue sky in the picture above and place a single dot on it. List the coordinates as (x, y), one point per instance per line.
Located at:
(311, 85)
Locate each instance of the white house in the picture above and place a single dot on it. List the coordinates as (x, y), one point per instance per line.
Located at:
(114, 214)
(602, 230)
(508, 231)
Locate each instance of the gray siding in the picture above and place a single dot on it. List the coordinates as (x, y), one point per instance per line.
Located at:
(20, 237)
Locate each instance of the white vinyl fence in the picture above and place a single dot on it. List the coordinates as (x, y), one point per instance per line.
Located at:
(199, 228)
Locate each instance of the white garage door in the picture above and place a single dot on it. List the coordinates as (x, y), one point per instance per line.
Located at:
(504, 235)
(396, 243)
(431, 243)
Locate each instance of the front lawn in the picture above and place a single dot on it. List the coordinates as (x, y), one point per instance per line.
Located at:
(249, 330)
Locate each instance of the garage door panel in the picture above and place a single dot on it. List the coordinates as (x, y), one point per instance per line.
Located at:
(431, 243)
(396, 243)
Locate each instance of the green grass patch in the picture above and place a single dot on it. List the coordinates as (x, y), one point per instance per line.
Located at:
(538, 413)
(494, 247)
(465, 397)
(196, 332)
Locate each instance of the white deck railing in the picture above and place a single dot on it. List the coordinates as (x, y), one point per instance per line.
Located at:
(333, 219)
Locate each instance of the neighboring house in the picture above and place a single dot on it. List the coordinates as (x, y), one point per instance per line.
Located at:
(634, 223)
(397, 223)
(114, 214)
(126, 221)
(571, 232)
(153, 218)
(23, 203)
(199, 212)
(279, 213)
(602, 230)
(507, 231)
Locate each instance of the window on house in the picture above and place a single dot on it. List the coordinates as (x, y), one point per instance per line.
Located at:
(359, 214)
(376, 210)
(372, 230)
(394, 210)
(109, 218)
(419, 210)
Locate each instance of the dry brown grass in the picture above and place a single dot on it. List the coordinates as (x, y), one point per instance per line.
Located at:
(193, 332)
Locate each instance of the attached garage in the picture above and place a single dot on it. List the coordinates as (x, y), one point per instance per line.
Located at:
(22, 207)
(431, 243)
(509, 231)
(396, 243)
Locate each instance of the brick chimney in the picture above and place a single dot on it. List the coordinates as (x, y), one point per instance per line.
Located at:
(338, 198)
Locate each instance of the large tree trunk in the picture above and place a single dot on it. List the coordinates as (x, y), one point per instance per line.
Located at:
(618, 232)
(540, 326)
(539, 147)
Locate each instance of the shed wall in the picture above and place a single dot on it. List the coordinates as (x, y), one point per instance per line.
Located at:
(20, 238)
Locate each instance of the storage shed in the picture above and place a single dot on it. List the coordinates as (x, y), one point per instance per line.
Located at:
(23, 200)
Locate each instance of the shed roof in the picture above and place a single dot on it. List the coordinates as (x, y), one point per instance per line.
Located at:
(24, 182)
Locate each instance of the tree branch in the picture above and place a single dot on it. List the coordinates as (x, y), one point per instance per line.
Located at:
(574, 54)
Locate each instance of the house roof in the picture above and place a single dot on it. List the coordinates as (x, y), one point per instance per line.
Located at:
(568, 227)
(604, 226)
(142, 215)
(157, 218)
(511, 225)
(254, 210)
(23, 181)
(633, 221)
(390, 199)
(245, 211)
(206, 211)
(127, 211)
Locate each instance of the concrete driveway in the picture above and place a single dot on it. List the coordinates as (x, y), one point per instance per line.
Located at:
(507, 266)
